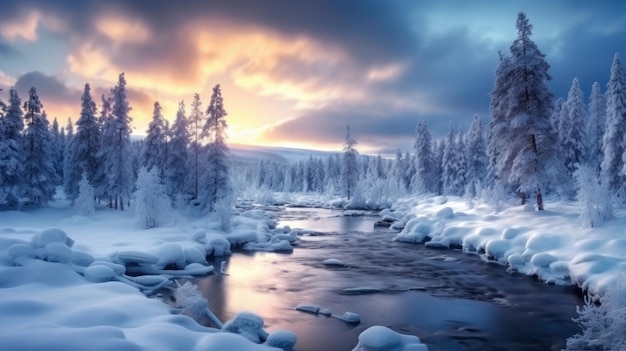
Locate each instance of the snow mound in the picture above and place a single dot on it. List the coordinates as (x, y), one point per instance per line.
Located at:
(218, 246)
(132, 257)
(99, 273)
(57, 252)
(349, 317)
(333, 262)
(379, 338)
(248, 325)
(282, 339)
(445, 213)
(314, 309)
(51, 235)
(170, 256)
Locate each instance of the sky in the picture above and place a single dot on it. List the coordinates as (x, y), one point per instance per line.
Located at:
(296, 73)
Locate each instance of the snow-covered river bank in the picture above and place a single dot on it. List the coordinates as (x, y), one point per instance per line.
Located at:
(451, 300)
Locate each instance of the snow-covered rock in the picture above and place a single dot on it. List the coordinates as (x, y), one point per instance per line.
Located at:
(349, 317)
(282, 339)
(248, 325)
(57, 252)
(136, 257)
(99, 273)
(333, 262)
(379, 338)
(170, 255)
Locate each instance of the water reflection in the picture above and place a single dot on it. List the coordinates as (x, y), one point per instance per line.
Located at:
(458, 304)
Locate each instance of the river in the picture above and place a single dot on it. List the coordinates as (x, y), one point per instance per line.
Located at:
(450, 299)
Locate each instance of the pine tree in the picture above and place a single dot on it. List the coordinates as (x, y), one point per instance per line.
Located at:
(151, 203)
(85, 203)
(176, 169)
(349, 166)
(448, 163)
(84, 147)
(476, 155)
(613, 140)
(215, 180)
(596, 127)
(11, 155)
(573, 145)
(154, 148)
(195, 125)
(423, 181)
(521, 107)
(39, 174)
(118, 167)
(58, 146)
(107, 134)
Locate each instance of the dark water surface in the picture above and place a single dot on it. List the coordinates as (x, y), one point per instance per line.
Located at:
(451, 300)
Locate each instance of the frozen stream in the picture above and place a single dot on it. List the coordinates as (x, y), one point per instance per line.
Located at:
(451, 300)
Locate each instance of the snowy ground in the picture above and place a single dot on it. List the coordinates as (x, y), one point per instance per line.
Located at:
(66, 288)
(63, 284)
(550, 244)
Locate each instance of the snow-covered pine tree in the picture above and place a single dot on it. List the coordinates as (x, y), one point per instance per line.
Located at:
(176, 172)
(448, 163)
(154, 146)
(476, 154)
(613, 140)
(107, 131)
(423, 180)
(398, 170)
(574, 137)
(438, 149)
(349, 166)
(85, 201)
(57, 146)
(11, 155)
(84, 147)
(596, 127)
(195, 123)
(526, 142)
(39, 174)
(152, 204)
(215, 179)
(460, 159)
(119, 168)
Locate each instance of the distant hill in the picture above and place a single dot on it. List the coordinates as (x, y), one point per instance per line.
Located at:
(272, 153)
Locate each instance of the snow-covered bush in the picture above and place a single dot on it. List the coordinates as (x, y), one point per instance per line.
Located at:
(194, 304)
(151, 202)
(85, 202)
(224, 209)
(602, 320)
(594, 198)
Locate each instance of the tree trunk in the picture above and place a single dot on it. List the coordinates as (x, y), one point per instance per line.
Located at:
(533, 142)
(121, 203)
(110, 201)
(539, 200)
(523, 197)
(116, 202)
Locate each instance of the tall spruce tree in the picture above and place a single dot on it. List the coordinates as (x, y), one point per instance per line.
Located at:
(521, 125)
(215, 180)
(39, 174)
(423, 180)
(11, 155)
(118, 167)
(349, 166)
(84, 147)
(153, 153)
(476, 155)
(195, 122)
(596, 127)
(573, 138)
(176, 170)
(613, 140)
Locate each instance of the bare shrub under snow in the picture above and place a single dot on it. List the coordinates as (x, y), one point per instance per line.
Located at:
(151, 202)
(602, 320)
